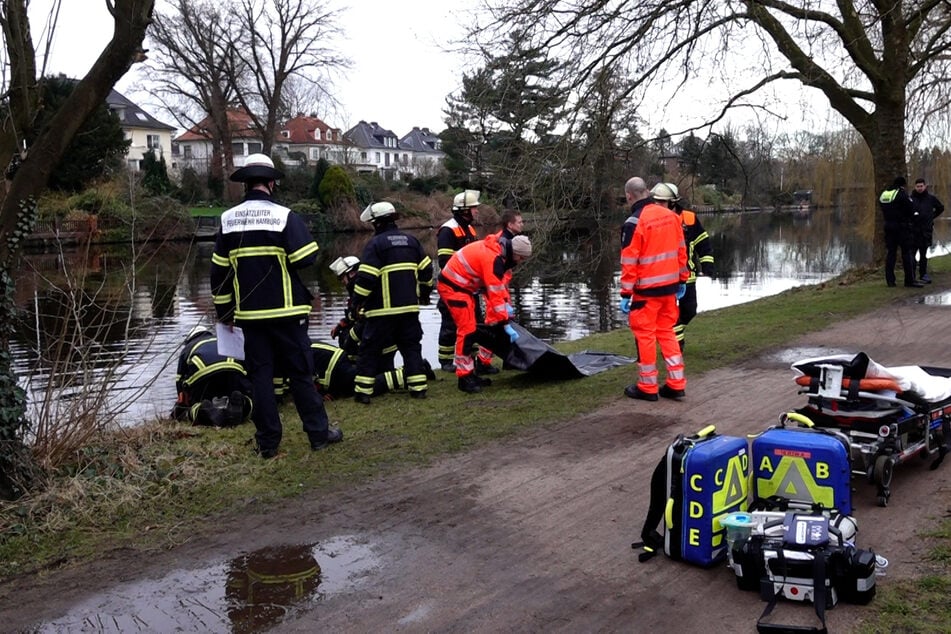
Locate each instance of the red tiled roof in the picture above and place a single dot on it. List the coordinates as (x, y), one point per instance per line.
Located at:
(238, 120)
(302, 130)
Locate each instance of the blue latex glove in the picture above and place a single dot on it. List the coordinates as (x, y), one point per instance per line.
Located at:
(625, 305)
(509, 310)
(510, 332)
(681, 291)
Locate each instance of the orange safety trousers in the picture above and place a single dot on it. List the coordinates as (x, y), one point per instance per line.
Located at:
(652, 321)
(462, 309)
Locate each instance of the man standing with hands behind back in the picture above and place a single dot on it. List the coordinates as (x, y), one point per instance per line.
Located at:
(255, 285)
(927, 208)
(653, 277)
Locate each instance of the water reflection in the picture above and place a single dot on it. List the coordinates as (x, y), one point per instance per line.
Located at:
(250, 593)
(116, 317)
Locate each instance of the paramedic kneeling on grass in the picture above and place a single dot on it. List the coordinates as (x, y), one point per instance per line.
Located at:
(653, 277)
(479, 267)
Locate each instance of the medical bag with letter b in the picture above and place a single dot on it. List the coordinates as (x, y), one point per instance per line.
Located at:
(803, 467)
(700, 480)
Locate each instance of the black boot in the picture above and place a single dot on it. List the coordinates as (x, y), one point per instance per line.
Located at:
(470, 383)
(485, 368)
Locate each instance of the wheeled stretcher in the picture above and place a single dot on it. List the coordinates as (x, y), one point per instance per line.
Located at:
(890, 415)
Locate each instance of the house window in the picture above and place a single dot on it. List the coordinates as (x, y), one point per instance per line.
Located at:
(255, 148)
(152, 142)
(405, 159)
(286, 134)
(377, 158)
(237, 149)
(314, 153)
(187, 151)
(363, 156)
(387, 159)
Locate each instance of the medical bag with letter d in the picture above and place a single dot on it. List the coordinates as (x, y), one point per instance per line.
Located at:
(700, 480)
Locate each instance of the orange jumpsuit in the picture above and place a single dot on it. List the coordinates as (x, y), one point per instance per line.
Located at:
(479, 266)
(653, 265)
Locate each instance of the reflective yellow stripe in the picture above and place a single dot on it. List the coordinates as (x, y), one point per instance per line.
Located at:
(303, 252)
(272, 312)
(399, 310)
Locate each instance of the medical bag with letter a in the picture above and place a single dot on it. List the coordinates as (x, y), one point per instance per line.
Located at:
(803, 467)
(700, 480)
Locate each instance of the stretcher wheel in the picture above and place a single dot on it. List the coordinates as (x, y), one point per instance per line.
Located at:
(884, 465)
(883, 500)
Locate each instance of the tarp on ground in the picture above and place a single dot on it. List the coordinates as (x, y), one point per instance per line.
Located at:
(531, 354)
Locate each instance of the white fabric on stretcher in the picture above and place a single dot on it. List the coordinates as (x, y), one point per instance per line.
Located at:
(911, 378)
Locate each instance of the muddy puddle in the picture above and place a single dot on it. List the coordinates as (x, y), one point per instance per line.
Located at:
(249, 593)
(936, 299)
(788, 356)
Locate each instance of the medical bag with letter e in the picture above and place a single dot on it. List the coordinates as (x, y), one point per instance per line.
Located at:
(700, 480)
(802, 467)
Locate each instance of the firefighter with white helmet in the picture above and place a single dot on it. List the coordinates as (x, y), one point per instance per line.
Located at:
(699, 258)
(255, 285)
(346, 332)
(452, 235)
(395, 277)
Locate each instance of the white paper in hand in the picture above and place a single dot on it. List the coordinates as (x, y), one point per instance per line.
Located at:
(230, 341)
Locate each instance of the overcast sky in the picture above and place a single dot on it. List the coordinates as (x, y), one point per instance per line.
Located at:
(400, 76)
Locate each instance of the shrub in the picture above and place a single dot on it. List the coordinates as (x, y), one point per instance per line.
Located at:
(336, 188)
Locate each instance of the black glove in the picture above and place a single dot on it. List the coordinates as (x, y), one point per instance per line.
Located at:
(425, 300)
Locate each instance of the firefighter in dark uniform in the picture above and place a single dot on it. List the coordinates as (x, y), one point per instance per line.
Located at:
(348, 330)
(699, 254)
(212, 389)
(395, 277)
(255, 286)
(454, 234)
(335, 374)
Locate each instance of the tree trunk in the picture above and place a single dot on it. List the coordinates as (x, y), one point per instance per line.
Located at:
(887, 144)
(30, 178)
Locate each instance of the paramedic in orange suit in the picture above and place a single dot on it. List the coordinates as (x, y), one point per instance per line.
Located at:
(653, 276)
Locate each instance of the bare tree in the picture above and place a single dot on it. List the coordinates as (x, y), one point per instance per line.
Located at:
(29, 173)
(874, 62)
(192, 71)
(278, 40)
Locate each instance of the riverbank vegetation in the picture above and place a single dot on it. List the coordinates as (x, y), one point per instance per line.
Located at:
(162, 484)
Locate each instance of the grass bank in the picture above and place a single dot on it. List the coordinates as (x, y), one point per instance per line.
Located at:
(159, 485)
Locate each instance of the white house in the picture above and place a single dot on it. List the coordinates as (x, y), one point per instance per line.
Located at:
(143, 130)
(425, 152)
(193, 148)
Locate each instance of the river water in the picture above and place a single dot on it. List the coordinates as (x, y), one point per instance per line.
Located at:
(115, 317)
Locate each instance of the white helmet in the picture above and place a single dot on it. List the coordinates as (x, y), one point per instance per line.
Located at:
(466, 199)
(257, 166)
(375, 211)
(664, 191)
(344, 265)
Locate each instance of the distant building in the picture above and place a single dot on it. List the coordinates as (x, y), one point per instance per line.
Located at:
(307, 139)
(375, 149)
(423, 150)
(143, 130)
(193, 148)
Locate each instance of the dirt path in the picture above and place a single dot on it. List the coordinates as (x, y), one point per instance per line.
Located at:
(532, 534)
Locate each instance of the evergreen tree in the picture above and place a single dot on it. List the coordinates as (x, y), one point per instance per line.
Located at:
(319, 171)
(155, 174)
(98, 147)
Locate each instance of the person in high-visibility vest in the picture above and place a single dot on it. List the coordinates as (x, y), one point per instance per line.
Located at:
(479, 268)
(653, 277)
(699, 255)
(255, 285)
(898, 213)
